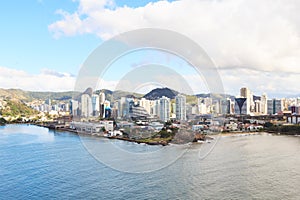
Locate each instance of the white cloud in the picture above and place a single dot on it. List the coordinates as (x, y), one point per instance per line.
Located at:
(251, 33)
(47, 80)
(51, 72)
(255, 43)
(274, 84)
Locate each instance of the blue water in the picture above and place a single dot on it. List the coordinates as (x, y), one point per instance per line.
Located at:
(36, 163)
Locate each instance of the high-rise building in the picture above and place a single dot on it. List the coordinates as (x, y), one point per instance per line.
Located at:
(240, 106)
(114, 113)
(101, 97)
(298, 101)
(164, 109)
(275, 106)
(180, 107)
(129, 103)
(205, 105)
(107, 109)
(201, 106)
(264, 104)
(154, 108)
(257, 106)
(145, 103)
(121, 106)
(74, 106)
(246, 93)
(86, 105)
(95, 104)
(225, 106)
(101, 104)
(216, 108)
(294, 109)
(48, 102)
(173, 109)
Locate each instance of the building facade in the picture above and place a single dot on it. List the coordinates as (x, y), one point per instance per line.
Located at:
(180, 107)
(164, 109)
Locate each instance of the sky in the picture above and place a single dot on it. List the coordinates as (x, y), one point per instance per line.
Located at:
(253, 43)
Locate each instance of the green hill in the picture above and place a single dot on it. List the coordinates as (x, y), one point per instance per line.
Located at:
(27, 96)
(15, 108)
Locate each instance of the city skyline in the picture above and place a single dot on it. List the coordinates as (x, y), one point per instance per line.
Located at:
(177, 108)
(53, 40)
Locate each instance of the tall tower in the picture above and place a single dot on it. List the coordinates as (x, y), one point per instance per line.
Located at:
(246, 93)
(240, 106)
(275, 106)
(201, 106)
(121, 107)
(264, 104)
(180, 107)
(101, 104)
(164, 109)
(74, 107)
(145, 103)
(86, 105)
(95, 104)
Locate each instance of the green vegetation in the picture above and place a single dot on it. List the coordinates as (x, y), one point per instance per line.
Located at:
(30, 96)
(17, 109)
(52, 95)
(166, 133)
(2, 121)
(286, 129)
(155, 140)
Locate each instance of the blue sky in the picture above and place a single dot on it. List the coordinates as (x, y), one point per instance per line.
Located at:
(27, 44)
(253, 43)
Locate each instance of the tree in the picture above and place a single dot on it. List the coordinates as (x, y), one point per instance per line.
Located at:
(2, 121)
(268, 124)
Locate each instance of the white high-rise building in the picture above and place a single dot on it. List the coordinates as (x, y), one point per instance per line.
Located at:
(264, 104)
(180, 107)
(86, 105)
(95, 104)
(155, 108)
(145, 103)
(246, 93)
(164, 109)
(101, 97)
(121, 107)
(202, 108)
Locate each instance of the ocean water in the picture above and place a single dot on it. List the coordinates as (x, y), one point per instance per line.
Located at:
(36, 163)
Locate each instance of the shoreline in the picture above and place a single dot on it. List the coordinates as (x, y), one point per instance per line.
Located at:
(163, 141)
(242, 133)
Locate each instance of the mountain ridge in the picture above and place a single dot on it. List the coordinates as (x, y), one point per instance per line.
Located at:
(156, 93)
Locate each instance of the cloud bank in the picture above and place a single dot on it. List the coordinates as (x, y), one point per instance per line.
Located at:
(46, 80)
(263, 35)
(251, 39)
